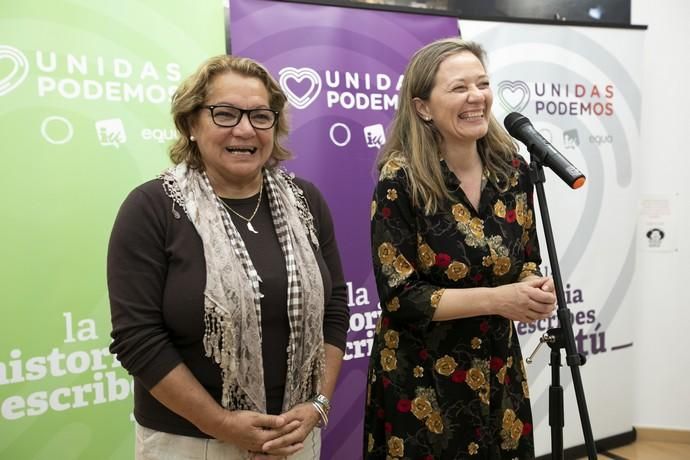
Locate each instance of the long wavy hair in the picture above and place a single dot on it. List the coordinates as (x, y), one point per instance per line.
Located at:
(191, 95)
(418, 143)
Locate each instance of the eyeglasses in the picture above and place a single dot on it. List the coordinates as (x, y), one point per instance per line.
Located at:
(227, 116)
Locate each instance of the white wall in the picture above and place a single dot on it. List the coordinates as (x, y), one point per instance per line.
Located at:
(662, 375)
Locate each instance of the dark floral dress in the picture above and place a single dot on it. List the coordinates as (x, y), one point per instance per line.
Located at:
(451, 389)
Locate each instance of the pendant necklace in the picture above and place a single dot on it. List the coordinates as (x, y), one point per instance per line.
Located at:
(247, 219)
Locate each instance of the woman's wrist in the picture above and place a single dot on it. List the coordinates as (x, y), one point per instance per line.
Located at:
(213, 421)
(323, 406)
(486, 299)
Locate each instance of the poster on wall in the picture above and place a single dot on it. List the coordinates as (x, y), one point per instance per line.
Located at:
(341, 69)
(84, 117)
(658, 223)
(579, 87)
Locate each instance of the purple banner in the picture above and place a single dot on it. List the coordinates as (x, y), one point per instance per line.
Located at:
(341, 68)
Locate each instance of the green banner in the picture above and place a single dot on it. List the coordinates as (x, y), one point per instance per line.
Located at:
(84, 117)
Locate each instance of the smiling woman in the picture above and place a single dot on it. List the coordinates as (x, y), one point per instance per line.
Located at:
(456, 259)
(227, 295)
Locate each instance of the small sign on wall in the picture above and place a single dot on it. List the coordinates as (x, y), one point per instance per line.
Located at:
(658, 226)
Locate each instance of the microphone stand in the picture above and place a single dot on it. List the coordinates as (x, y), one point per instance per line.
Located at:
(560, 337)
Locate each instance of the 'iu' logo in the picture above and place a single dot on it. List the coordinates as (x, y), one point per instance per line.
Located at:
(301, 86)
(111, 132)
(375, 135)
(571, 139)
(514, 95)
(19, 68)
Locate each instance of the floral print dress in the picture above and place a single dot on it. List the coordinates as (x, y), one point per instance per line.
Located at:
(450, 389)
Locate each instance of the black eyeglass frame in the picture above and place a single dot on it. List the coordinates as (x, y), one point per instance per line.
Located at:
(242, 112)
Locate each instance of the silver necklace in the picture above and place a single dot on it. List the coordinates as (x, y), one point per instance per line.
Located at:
(247, 219)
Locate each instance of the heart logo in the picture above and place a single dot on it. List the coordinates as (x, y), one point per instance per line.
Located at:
(18, 71)
(514, 95)
(302, 86)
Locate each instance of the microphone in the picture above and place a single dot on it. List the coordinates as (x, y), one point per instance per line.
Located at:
(521, 129)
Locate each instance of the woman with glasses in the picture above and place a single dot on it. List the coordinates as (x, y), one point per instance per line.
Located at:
(227, 295)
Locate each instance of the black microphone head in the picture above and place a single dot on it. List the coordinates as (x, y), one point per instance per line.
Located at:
(513, 121)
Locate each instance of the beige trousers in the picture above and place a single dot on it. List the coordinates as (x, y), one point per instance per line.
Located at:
(158, 445)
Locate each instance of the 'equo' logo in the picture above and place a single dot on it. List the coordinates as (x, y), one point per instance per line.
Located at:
(18, 72)
(297, 95)
(514, 95)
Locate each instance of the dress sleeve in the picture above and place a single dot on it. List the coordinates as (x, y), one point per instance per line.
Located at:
(532, 255)
(136, 272)
(337, 314)
(406, 296)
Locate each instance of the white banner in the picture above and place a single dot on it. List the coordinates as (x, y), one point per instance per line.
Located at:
(579, 87)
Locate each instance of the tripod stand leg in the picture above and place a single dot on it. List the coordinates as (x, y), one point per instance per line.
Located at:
(556, 418)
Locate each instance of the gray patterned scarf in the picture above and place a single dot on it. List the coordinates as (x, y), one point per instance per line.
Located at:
(232, 298)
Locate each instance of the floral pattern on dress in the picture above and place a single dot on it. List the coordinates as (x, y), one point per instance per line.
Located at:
(451, 389)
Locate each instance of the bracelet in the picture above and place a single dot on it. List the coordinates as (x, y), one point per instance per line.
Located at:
(323, 400)
(323, 407)
(323, 421)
